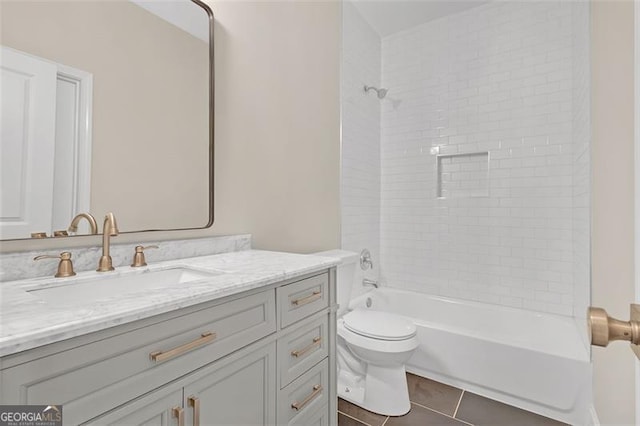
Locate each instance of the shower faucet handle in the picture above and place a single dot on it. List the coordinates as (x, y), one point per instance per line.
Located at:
(365, 260)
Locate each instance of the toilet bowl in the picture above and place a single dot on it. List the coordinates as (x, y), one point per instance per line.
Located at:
(372, 348)
(372, 374)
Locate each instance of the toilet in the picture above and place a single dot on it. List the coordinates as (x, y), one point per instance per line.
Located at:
(373, 346)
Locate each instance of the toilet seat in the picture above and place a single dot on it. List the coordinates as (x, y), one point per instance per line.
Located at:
(377, 345)
(379, 325)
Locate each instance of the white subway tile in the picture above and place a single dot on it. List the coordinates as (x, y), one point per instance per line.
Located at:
(501, 78)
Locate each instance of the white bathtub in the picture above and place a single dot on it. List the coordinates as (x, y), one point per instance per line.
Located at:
(531, 360)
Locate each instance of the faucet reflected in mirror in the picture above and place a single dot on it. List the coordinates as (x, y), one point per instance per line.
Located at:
(109, 229)
(76, 220)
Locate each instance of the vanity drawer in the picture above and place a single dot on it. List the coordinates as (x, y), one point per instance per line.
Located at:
(304, 395)
(318, 418)
(95, 377)
(302, 298)
(302, 348)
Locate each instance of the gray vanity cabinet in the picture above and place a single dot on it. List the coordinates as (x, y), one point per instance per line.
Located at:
(159, 408)
(262, 357)
(238, 390)
(91, 374)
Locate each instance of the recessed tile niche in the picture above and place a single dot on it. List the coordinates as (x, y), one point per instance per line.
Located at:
(463, 175)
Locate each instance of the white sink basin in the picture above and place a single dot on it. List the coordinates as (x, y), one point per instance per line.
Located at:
(105, 286)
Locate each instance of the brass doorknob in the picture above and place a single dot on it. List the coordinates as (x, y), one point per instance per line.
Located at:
(604, 329)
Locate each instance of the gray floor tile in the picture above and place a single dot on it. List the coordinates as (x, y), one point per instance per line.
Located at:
(419, 416)
(435, 395)
(367, 417)
(347, 421)
(486, 412)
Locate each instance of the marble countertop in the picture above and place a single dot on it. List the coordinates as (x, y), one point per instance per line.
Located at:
(28, 321)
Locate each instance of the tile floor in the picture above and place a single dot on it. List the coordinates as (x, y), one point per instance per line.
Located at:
(434, 403)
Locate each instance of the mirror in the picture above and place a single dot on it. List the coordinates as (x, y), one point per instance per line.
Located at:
(106, 106)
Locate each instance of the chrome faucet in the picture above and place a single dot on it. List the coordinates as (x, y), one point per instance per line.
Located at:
(76, 220)
(109, 229)
(368, 282)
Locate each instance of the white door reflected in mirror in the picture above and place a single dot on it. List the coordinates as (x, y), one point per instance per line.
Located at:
(45, 146)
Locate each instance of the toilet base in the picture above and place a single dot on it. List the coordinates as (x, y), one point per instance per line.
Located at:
(383, 390)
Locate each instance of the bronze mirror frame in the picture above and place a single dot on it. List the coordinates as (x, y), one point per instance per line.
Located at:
(212, 86)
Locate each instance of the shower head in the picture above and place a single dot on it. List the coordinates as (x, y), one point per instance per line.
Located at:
(381, 92)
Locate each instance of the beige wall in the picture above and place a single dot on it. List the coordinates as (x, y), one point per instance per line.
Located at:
(278, 123)
(150, 105)
(277, 151)
(613, 198)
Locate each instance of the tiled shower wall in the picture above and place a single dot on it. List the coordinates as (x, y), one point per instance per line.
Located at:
(581, 107)
(360, 187)
(496, 79)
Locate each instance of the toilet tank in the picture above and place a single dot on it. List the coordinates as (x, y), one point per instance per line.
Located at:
(345, 275)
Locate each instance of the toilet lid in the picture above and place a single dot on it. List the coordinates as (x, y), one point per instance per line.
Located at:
(379, 325)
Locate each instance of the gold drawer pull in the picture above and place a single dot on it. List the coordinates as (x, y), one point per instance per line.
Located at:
(202, 340)
(316, 341)
(178, 412)
(314, 296)
(300, 405)
(195, 403)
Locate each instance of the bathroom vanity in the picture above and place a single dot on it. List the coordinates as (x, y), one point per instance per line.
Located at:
(235, 337)
(249, 341)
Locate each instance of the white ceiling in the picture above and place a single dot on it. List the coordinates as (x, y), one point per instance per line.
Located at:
(185, 15)
(390, 16)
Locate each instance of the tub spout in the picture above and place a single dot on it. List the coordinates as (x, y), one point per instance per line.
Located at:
(368, 282)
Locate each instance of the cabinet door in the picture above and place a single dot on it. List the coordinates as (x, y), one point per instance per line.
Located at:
(239, 390)
(159, 408)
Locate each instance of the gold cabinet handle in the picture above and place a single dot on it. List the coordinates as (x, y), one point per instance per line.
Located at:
(313, 297)
(195, 403)
(299, 353)
(202, 340)
(300, 405)
(178, 413)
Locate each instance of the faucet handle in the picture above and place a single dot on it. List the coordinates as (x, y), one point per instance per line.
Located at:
(138, 256)
(365, 260)
(65, 267)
